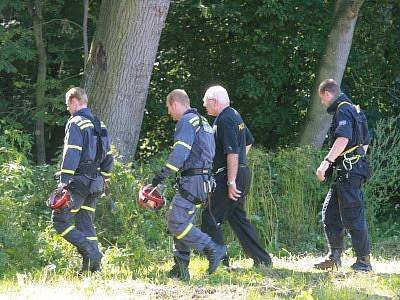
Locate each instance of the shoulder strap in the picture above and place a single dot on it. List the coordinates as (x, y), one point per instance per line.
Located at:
(357, 107)
(357, 125)
(98, 133)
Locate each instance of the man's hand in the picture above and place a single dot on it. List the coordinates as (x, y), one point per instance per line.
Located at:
(321, 170)
(233, 192)
(157, 179)
(107, 187)
(61, 185)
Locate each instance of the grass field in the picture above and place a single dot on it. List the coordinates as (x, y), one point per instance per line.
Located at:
(290, 278)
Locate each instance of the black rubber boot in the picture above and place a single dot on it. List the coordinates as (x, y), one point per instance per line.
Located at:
(362, 264)
(180, 269)
(332, 261)
(267, 263)
(85, 262)
(225, 261)
(214, 253)
(92, 254)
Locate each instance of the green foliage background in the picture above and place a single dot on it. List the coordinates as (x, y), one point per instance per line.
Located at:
(266, 53)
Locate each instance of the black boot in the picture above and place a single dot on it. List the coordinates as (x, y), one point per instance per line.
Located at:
(332, 261)
(362, 264)
(214, 253)
(180, 269)
(225, 261)
(267, 263)
(85, 262)
(92, 254)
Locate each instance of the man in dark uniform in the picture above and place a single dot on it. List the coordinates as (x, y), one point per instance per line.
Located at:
(87, 163)
(233, 141)
(192, 155)
(344, 204)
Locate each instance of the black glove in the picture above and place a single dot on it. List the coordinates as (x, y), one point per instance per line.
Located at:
(158, 178)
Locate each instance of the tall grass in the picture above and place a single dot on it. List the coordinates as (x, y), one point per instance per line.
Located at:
(285, 197)
(382, 190)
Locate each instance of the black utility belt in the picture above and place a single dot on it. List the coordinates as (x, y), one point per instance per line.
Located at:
(223, 169)
(196, 171)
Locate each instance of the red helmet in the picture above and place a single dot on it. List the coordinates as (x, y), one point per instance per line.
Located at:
(59, 198)
(150, 197)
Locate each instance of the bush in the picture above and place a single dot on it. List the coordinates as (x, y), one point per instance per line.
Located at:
(285, 197)
(382, 190)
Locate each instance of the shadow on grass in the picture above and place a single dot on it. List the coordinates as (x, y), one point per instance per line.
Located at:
(280, 282)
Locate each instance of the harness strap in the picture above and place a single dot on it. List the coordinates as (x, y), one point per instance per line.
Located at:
(98, 133)
(357, 107)
(189, 196)
(349, 161)
(350, 150)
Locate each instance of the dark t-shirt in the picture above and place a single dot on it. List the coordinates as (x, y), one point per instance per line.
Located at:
(231, 136)
(349, 122)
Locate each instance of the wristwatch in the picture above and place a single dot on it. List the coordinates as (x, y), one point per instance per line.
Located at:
(232, 182)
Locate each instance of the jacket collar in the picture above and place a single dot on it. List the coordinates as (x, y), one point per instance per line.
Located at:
(83, 112)
(334, 105)
(191, 110)
(220, 114)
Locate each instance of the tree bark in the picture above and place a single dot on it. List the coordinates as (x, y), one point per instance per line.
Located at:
(119, 67)
(85, 37)
(35, 9)
(332, 65)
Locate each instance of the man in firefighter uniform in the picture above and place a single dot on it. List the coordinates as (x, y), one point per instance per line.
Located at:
(233, 141)
(344, 206)
(192, 155)
(87, 163)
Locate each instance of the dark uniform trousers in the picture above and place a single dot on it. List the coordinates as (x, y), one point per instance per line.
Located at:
(344, 208)
(181, 224)
(75, 223)
(223, 208)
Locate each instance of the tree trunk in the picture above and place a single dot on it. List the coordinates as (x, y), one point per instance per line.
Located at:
(85, 37)
(332, 65)
(35, 9)
(119, 67)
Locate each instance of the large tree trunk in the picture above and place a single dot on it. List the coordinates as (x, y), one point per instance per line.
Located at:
(35, 9)
(119, 67)
(332, 65)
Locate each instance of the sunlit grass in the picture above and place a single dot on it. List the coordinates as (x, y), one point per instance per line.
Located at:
(291, 278)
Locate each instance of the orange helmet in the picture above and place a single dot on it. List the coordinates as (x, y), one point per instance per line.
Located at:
(59, 198)
(150, 197)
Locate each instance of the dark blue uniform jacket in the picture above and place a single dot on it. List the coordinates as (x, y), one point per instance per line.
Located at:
(80, 145)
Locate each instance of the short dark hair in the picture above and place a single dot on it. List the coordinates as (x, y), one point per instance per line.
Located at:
(329, 85)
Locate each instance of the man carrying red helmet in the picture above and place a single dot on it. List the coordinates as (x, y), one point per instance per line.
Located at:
(87, 163)
(192, 155)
